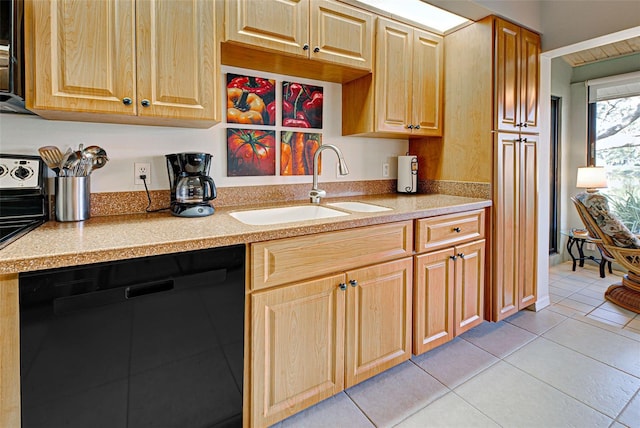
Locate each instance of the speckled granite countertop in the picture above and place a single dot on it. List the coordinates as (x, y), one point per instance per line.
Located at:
(108, 238)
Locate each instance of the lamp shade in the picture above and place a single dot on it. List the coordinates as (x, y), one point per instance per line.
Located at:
(591, 178)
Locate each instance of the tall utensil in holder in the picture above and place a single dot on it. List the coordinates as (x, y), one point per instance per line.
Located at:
(73, 198)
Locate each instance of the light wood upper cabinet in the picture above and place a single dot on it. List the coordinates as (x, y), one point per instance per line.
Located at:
(124, 62)
(515, 210)
(517, 78)
(403, 97)
(323, 30)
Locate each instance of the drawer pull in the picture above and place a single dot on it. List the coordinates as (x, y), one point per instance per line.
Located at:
(456, 229)
(343, 286)
(461, 255)
(353, 282)
(453, 257)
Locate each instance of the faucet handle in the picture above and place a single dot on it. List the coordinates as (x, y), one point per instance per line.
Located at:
(316, 194)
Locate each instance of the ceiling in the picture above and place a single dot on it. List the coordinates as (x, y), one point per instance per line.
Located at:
(613, 50)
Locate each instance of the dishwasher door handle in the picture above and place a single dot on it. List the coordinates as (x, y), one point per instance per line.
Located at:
(148, 288)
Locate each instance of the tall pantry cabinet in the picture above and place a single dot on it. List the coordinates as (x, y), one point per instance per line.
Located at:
(491, 137)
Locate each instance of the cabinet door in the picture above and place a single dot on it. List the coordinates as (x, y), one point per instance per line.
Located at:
(469, 307)
(433, 300)
(281, 25)
(527, 222)
(178, 60)
(341, 34)
(507, 75)
(393, 76)
(378, 326)
(82, 56)
(506, 244)
(427, 84)
(530, 81)
(297, 348)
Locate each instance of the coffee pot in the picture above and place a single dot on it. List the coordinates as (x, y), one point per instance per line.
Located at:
(191, 186)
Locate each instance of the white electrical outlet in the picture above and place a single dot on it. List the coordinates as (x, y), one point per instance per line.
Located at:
(385, 169)
(141, 168)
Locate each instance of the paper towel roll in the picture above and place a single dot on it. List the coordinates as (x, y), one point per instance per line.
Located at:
(407, 174)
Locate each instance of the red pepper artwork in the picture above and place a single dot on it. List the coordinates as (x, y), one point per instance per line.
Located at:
(297, 150)
(250, 152)
(301, 105)
(251, 100)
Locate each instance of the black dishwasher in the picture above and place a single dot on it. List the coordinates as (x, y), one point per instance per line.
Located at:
(144, 342)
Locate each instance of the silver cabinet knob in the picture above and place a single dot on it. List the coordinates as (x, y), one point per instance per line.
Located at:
(409, 126)
(461, 255)
(127, 101)
(316, 49)
(456, 229)
(145, 103)
(353, 283)
(305, 47)
(417, 127)
(342, 286)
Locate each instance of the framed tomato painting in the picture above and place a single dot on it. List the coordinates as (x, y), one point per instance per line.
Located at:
(302, 105)
(250, 152)
(296, 152)
(251, 100)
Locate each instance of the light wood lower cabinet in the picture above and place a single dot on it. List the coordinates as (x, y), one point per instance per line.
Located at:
(449, 282)
(312, 339)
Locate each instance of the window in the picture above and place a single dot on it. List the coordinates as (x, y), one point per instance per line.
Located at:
(614, 142)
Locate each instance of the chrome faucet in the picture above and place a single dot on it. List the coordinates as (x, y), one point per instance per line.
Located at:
(315, 194)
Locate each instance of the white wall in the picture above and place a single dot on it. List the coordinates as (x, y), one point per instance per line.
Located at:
(126, 144)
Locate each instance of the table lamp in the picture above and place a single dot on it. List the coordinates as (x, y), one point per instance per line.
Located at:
(591, 178)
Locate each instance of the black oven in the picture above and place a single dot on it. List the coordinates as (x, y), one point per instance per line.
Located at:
(23, 196)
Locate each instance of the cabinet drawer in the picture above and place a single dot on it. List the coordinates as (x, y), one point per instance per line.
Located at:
(442, 231)
(293, 259)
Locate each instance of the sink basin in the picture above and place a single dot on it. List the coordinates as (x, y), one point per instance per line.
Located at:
(359, 207)
(285, 214)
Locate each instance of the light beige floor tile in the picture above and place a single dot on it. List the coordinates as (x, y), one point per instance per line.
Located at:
(634, 323)
(594, 294)
(450, 411)
(603, 321)
(536, 322)
(390, 397)
(560, 291)
(570, 284)
(600, 344)
(499, 339)
(592, 382)
(616, 317)
(554, 298)
(513, 398)
(587, 300)
(564, 310)
(617, 425)
(630, 416)
(614, 328)
(612, 307)
(579, 307)
(337, 411)
(455, 362)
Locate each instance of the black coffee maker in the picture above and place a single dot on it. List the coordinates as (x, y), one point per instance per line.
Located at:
(191, 186)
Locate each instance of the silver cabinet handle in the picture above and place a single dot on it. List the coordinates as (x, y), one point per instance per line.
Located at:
(305, 47)
(461, 255)
(456, 229)
(353, 282)
(417, 127)
(127, 101)
(316, 49)
(453, 257)
(342, 286)
(145, 103)
(409, 126)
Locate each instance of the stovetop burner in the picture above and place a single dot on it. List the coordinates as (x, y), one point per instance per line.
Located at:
(23, 200)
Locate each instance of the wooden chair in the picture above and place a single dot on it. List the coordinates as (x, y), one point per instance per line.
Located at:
(616, 242)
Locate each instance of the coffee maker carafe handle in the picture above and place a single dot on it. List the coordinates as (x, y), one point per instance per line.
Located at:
(210, 191)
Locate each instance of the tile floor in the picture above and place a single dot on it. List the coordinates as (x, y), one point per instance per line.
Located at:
(576, 363)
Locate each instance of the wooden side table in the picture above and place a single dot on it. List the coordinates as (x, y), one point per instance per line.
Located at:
(577, 241)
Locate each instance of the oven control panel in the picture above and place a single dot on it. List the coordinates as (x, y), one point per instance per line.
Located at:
(19, 173)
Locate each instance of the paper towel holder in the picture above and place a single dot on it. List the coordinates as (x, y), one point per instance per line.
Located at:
(407, 174)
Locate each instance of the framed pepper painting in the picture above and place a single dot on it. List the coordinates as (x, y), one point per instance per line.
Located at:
(296, 152)
(250, 100)
(301, 105)
(251, 152)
